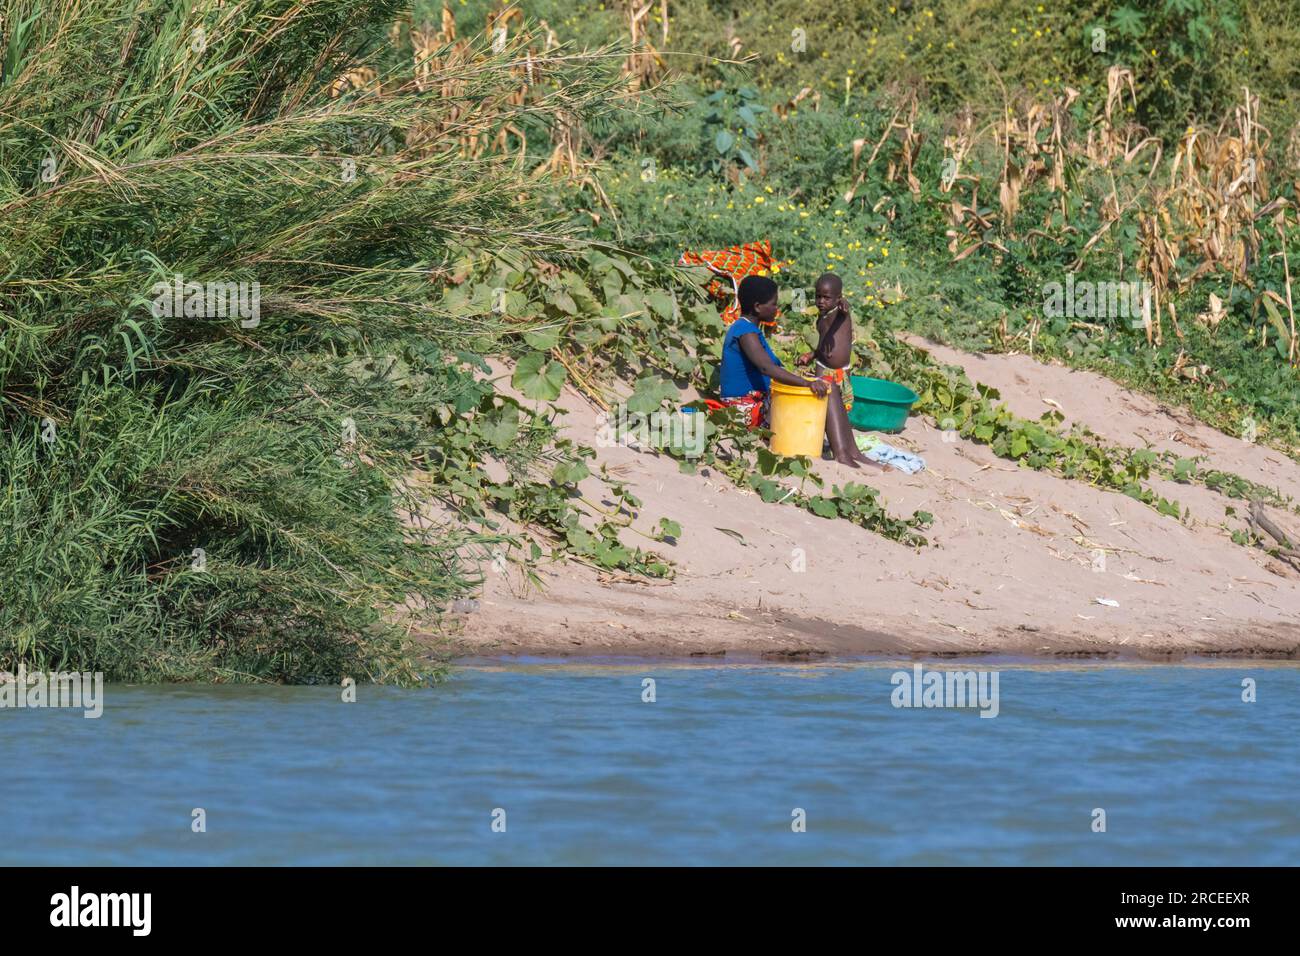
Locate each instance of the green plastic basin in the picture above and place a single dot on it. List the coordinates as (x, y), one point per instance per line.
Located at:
(878, 405)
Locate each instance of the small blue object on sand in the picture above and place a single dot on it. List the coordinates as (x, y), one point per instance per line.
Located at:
(876, 450)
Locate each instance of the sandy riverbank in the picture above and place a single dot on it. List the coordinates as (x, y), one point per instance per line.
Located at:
(1011, 569)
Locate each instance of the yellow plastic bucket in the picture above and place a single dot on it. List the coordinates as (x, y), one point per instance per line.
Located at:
(798, 421)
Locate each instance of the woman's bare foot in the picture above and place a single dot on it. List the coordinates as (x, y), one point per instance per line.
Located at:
(847, 460)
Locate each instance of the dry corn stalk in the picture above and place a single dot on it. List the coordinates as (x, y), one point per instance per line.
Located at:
(362, 78)
(1216, 183)
(814, 98)
(644, 65)
(1156, 262)
(1108, 139)
(1213, 315)
(955, 146)
(1183, 367)
(910, 144)
(436, 56)
(1293, 344)
(1033, 147)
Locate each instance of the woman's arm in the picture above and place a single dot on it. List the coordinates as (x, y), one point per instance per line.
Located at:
(753, 351)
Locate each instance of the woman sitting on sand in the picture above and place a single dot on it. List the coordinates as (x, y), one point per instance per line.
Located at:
(749, 367)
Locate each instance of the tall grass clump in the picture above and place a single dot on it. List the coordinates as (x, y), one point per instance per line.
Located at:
(215, 493)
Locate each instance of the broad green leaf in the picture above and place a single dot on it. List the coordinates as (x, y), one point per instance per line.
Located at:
(649, 393)
(669, 528)
(570, 473)
(539, 378)
(577, 288)
(823, 507)
(580, 539)
(611, 285)
(561, 299)
(623, 266)
(543, 339)
(662, 304)
(501, 428)
(628, 306)
(514, 303)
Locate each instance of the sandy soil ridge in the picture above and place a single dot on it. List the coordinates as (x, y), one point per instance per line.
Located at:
(1013, 568)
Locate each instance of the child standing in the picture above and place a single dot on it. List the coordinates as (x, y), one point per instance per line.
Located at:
(833, 358)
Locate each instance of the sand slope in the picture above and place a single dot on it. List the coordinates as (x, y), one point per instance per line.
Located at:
(1012, 568)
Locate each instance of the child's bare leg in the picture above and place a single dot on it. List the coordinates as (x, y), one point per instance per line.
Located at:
(840, 433)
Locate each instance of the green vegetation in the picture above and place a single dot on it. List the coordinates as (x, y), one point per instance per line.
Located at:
(952, 183)
(1190, 58)
(289, 495)
(607, 318)
(226, 496)
(895, 242)
(950, 190)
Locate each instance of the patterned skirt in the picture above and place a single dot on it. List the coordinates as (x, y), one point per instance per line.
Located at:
(756, 407)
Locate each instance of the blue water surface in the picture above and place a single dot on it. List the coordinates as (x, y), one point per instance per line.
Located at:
(711, 772)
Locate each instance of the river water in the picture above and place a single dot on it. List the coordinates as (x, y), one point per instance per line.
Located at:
(538, 763)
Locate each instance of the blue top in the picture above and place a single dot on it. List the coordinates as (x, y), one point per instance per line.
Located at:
(739, 376)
